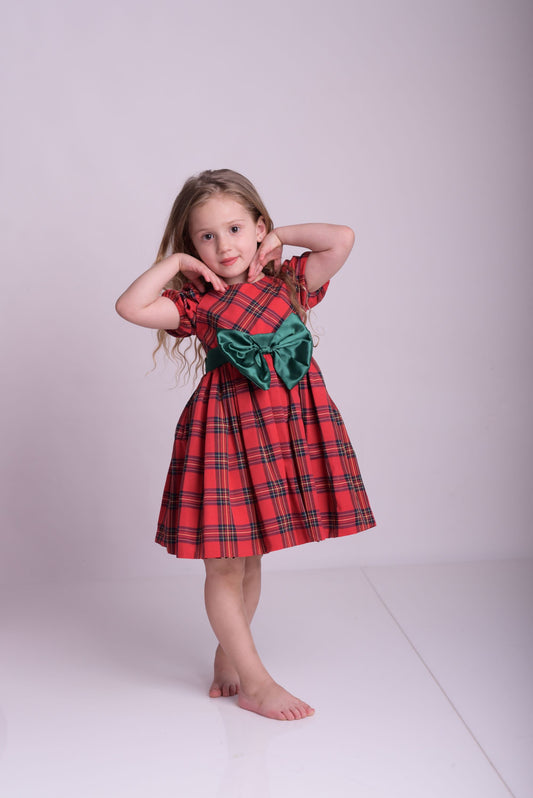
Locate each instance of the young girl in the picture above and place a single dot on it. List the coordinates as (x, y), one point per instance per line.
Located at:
(261, 457)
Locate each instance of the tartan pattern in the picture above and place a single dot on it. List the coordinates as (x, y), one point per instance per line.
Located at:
(254, 471)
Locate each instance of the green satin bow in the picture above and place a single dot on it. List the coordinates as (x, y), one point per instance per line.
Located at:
(291, 347)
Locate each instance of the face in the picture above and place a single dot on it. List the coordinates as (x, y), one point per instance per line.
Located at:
(225, 236)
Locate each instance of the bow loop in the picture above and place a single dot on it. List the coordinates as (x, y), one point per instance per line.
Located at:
(245, 354)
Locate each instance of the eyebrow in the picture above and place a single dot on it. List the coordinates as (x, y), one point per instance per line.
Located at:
(224, 224)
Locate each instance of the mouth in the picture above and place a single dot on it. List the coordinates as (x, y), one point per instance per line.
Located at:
(228, 261)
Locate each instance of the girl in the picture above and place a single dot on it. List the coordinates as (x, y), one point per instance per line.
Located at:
(261, 457)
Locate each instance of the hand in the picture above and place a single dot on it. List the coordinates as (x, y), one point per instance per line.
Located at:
(192, 269)
(270, 250)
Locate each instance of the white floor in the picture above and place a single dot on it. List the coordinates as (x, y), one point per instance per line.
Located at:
(421, 677)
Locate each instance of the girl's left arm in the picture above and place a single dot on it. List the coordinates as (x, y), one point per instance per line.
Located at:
(330, 245)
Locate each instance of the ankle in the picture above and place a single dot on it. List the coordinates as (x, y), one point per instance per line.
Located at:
(254, 686)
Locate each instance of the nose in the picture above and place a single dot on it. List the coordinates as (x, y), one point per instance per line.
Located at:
(223, 244)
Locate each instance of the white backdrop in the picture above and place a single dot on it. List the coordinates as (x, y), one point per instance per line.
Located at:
(410, 121)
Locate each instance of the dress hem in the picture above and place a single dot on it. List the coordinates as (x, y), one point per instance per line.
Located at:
(172, 548)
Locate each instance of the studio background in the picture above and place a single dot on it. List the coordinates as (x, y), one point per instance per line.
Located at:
(409, 121)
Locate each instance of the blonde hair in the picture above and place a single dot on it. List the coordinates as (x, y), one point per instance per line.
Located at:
(176, 238)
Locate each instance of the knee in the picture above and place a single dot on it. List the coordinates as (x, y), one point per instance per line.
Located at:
(227, 569)
(253, 565)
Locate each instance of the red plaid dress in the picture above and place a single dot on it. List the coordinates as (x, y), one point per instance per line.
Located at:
(255, 470)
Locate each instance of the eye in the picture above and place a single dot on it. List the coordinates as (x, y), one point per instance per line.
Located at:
(235, 228)
(207, 237)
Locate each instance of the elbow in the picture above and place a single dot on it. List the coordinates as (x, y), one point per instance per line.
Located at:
(348, 238)
(121, 306)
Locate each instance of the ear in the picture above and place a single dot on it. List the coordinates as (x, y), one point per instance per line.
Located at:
(260, 229)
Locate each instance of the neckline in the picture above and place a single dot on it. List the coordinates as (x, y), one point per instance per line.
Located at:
(245, 282)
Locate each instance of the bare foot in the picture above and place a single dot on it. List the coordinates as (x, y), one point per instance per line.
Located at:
(272, 701)
(226, 678)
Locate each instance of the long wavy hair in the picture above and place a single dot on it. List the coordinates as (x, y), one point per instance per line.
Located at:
(176, 238)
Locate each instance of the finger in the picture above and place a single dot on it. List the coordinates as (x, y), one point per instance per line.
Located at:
(254, 268)
(217, 282)
(262, 257)
(200, 287)
(211, 277)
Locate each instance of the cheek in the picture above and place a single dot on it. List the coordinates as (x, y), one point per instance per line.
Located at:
(203, 249)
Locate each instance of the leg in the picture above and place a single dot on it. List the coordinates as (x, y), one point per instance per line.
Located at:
(224, 598)
(226, 678)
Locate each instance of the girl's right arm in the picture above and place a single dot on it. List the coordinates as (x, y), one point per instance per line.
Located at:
(142, 304)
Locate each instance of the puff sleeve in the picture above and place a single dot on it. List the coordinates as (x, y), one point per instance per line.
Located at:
(186, 302)
(308, 299)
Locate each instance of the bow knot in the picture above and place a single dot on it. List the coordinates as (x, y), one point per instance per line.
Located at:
(291, 347)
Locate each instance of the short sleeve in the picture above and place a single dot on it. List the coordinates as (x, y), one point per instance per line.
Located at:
(186, 302)
(308, 299)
